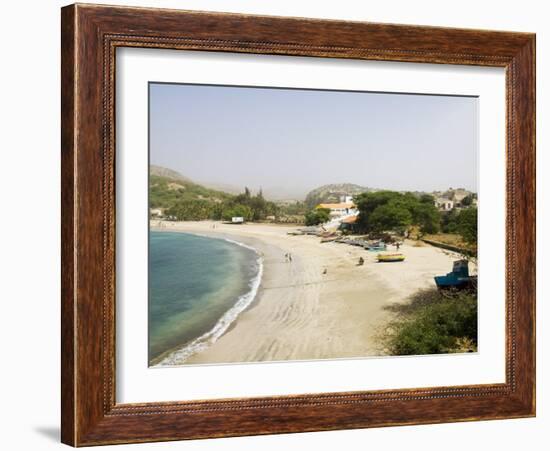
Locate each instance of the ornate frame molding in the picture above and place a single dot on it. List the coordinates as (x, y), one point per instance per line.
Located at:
(90, 37)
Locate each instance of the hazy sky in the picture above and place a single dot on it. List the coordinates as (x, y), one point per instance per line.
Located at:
(291, 141)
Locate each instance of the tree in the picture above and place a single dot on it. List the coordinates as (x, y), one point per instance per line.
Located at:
(394, 211)
(217, 211)
(259, 207)
(467, 201)
(366, 203)
(467, 225)
(427, 199)
(317, 216)
(191, 210)
(239, 210)
(426, 217)
(393, 215)
(449, 221)
(298, 208)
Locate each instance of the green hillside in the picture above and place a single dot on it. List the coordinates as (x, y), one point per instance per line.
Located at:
(182, 199)
(166, 192)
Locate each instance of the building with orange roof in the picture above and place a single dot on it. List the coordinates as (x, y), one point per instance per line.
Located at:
(339, 209)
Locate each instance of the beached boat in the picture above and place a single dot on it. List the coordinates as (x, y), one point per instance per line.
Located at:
(458, 279)
(328, 239)
(383, 258)
(377, 246)
(311, 230)
(359, 243)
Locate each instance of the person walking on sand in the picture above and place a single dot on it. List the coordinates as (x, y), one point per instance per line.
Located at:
(397, 245)
(290, 258)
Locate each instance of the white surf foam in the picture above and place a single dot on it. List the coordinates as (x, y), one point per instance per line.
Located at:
(206, 340)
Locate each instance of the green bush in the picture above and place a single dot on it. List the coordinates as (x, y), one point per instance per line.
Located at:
(434, 323)
(463, 222)
(242, 211)
(467, 224)
(317, 216)
(191, 210)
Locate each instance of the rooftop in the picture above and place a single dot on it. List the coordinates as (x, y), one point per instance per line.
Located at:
(340, 205)
(350, 220)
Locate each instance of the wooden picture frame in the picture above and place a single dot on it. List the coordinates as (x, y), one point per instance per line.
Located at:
(90, 36)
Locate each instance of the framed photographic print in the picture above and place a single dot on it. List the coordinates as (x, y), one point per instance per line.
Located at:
(279, 225)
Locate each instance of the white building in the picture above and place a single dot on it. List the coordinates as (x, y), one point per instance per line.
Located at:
(340, 209)
(444, 204)
(156, 212)
(346, 199)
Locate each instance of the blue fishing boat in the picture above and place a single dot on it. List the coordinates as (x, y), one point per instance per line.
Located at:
(459, 278)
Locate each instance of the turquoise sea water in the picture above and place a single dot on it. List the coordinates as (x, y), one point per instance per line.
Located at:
(197, 287)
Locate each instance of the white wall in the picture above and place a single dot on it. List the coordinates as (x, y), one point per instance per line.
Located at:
(29, 247)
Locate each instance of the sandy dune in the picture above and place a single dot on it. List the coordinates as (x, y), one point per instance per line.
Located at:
(303, 313)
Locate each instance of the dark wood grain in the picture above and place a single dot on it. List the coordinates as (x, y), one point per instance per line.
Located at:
(90, 36)
(68, 313)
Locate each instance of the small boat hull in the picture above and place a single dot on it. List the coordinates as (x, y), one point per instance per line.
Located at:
(376, 248)
(390, 258)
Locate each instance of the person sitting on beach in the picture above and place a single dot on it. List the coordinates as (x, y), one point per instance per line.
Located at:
(361, 261)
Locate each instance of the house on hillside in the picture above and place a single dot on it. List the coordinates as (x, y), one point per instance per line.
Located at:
(347, 199)
(444, 204)
(459, 195)
(339, 209)
(343, 208)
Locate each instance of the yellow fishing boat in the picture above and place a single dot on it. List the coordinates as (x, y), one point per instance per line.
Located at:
(382, 258)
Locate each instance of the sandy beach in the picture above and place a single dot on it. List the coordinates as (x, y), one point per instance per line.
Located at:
(321, 305)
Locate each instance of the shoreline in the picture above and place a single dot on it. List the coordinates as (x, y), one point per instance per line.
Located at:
(179, 354)
(321, 305)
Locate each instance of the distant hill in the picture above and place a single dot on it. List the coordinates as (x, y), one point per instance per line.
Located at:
(456, 194)
(167, 187)
(168, 173)
(224, 187)
(332, 193)
(271, 192)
